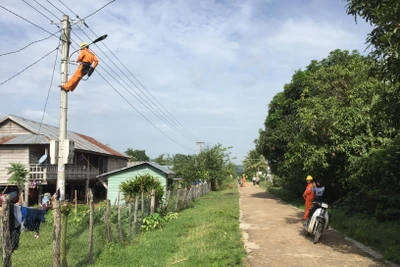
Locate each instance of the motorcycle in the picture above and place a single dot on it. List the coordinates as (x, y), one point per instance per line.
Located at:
(319, 221)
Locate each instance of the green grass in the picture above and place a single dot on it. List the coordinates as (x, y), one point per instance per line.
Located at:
(384, 237)
(206, 235)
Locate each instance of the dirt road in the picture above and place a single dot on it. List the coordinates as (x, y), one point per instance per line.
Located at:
(272, 230)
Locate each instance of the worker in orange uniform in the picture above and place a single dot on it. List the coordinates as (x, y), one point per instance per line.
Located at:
(86, 58)
(308, 196)
(244, 180)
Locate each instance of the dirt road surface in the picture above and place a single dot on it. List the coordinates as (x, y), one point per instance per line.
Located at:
(273, 235)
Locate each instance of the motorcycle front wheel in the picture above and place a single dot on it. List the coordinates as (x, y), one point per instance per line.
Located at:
(318, 232)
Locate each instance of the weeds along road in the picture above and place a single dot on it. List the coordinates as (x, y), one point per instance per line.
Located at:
(273, 235)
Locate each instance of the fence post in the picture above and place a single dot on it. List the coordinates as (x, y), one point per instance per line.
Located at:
(56, 234)
(91, 221)
(135, 214)
(167, 199)
(107, 220)
(152, 201)
(142, 205)
(130, 218)
(177, 199)
(5, 232)
(184, 202)
(121, 238)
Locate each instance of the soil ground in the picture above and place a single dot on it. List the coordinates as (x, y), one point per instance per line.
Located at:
(274, 236)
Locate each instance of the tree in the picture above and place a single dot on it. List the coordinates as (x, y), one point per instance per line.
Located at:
(136, 155)
(254, 162)
(141, 183)
(162, 160)
(18, 176)
(330, 116)
(385, 36)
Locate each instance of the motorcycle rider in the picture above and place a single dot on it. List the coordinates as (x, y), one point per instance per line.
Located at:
(318, 190)
(308, 196)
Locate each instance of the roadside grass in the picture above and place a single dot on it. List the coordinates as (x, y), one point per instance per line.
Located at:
(207, 234)
(384, 237)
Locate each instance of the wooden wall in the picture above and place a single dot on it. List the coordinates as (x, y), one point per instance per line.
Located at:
(12, 154)
(10, 127)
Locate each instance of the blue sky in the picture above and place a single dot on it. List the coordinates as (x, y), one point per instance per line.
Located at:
(214, 65)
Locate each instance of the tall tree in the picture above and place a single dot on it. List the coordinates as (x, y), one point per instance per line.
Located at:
(136, 155)
(254, 162)
(164, 159)
(384, 38)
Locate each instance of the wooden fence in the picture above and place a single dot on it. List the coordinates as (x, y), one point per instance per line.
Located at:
(90, 227)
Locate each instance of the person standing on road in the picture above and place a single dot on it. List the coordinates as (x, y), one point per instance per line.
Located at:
(244, 180)
(308, 196)
(254, 180)
(257, 181)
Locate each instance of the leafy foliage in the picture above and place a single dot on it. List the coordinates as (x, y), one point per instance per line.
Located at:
(141, 183)
(385, 36)
(164, 159)
(331, 122)
(136, 155)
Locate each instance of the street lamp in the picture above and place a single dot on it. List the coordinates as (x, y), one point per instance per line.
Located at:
(101, 38)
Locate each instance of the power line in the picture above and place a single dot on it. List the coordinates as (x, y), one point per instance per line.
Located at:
(37, 41)
(98, 10)
(139, 111)
(153, 110)
(173, 120)
(34, 63)
(48, 93)
(45, 8)
(37, 11)
(30, 22)
(55, 7)
(176, 124)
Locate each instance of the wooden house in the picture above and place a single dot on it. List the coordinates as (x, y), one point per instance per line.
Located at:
(26, 141)
(116, 177)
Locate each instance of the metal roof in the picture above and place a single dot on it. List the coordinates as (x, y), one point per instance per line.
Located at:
(153, 164)
(50, 132)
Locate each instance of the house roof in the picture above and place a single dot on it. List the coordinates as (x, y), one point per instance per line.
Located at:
(163, 169)
(42, 134)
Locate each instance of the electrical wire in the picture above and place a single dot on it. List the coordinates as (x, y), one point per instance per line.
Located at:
(38, 11)
(55, 7)
(34, 63)
(98, 10)
(174, 121)
(45, 8)
(150, 107)
(48, 93)
(141, 114)
(30, 22)
(37, 41)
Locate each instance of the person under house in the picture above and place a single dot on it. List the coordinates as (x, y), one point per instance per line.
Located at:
(86, 58)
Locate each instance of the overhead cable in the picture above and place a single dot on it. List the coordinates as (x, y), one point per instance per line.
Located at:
(34, 63)
(37, 41)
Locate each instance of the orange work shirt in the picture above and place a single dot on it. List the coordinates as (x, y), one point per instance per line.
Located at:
(308, 193)
(87, 56)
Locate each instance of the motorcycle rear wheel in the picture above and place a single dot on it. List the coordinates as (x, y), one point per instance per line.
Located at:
(318, 232)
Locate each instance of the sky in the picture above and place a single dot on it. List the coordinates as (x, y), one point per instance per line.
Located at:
(195, 70)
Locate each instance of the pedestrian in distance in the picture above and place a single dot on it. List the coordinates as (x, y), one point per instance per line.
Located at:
(254, 180)
(258, 181)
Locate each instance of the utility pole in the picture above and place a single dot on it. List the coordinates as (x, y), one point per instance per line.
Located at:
(199, 144)
(66, 28)
(64, 149)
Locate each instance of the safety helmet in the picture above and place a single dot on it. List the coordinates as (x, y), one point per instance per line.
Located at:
(84, 44)
(309, 178)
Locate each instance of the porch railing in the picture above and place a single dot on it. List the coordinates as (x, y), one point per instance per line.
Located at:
(40, 172)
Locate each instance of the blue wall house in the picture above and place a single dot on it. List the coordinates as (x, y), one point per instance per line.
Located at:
(114, 178)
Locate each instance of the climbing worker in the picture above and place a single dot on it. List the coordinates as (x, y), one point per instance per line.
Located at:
(86, 58)
(308, 196)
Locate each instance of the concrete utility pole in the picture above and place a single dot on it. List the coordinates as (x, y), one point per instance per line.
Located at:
(63, 106)
(199, 144)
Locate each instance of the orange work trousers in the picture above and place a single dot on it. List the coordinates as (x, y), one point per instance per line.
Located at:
(308, 207)
(75, 79)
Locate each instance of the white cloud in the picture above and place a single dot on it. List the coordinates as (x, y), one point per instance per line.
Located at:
(214, 65)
